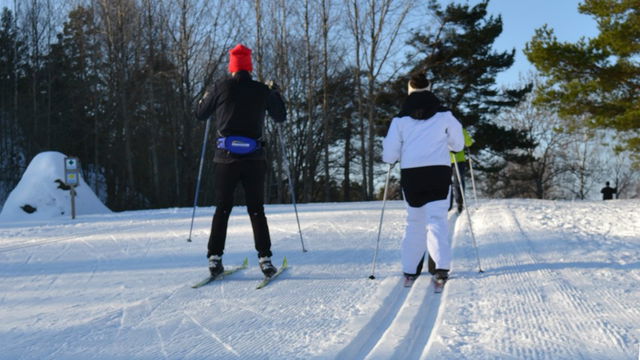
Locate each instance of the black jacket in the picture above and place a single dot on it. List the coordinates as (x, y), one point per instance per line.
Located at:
(239, 105)
(607, 192)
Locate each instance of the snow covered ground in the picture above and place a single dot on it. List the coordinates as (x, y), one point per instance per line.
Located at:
(561, 281)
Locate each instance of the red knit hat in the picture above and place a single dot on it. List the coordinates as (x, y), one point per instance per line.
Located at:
(240, 59)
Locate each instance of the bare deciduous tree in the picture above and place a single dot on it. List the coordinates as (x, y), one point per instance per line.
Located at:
(536, 172)
(375, 26)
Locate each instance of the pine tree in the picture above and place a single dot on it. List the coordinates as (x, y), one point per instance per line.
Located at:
(458, 58)
(595, 81)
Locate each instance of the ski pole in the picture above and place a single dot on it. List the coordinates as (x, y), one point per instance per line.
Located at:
(291, 190)
(195, 200)
(466, 208)
(384, 201)
(473, 180)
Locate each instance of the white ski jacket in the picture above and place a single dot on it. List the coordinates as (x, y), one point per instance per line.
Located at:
(418, 143)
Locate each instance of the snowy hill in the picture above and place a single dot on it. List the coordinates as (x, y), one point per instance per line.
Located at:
(41, 194)
(560, 282)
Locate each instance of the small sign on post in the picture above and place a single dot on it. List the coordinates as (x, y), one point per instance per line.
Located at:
(72, 179)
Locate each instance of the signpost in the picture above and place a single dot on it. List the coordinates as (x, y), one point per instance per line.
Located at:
(72, 179)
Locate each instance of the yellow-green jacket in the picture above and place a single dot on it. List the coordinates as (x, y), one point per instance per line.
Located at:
(468, 141)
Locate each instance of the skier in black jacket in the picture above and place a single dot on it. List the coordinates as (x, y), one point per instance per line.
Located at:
(239, 105)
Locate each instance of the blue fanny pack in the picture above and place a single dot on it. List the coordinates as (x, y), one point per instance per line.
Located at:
(239, 144)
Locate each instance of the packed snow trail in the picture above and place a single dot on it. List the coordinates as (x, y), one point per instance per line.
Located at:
(115, 294)
(561, 282)
(407, 335)
(403, 324)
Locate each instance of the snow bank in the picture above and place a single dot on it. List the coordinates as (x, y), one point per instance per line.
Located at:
(39, 190)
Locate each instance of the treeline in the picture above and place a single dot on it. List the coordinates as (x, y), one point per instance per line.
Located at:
(114, 83)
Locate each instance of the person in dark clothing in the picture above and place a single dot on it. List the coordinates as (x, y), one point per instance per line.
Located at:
(608, 191)
(239, 105)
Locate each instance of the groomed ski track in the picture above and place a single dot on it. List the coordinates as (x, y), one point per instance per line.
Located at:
(402, 326)
(560, 283)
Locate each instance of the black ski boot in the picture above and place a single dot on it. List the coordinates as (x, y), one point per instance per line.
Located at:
(215, 265)
(267, 267)
(441, 275)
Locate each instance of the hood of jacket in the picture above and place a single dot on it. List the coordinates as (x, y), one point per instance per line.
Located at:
(421, 105)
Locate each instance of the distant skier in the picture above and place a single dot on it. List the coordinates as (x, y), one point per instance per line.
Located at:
(459, 158)
(239, 105)
(421, 137)
(608, 191)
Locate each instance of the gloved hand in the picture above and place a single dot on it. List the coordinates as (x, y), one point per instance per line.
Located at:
(272, 85)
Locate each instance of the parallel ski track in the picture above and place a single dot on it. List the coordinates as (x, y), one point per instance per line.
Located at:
(602, 332)
(541, 318)
(372, 333)
(403, 324)
(408, 334)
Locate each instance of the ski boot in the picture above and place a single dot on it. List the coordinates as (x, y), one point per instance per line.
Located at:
(267, 267)
(439, 279)
(215, 266)
(409, 279)
(441, 275)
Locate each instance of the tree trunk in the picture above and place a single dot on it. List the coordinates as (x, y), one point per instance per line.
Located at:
(325, 99)
(308, 169)
(357, 32)
(346, 185)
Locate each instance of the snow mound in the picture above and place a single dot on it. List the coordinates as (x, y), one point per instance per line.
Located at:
(40, 194)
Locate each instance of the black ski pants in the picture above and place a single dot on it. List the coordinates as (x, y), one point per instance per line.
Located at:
(251, 174)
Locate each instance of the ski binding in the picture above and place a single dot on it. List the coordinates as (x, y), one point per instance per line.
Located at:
(230, 271)
(267, 280)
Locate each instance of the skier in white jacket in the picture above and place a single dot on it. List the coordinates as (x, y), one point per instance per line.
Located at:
(421, 137)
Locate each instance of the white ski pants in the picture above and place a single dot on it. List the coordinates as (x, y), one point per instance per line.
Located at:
(427, 229)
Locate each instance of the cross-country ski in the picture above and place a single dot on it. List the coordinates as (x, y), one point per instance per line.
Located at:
(268, 279)
(227, 272)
